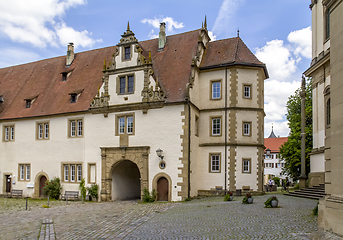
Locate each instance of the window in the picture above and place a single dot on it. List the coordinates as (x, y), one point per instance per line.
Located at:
(246, 91)
(8, 133)
(246, 166)
(127, 53)
(126, 84)
(125, 124)
(64, 76)
(43, 131)
(91, 173)
(216, 126)
(327, 24)
(246, 129)
(72, 172)
(328, 112)
(73, 98)
(196, 126)
(28, 103)
(215, 90)
(24, 172)
(76, 128)
(215, 162)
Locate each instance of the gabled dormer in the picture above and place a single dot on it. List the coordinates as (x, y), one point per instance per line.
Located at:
(125, 55)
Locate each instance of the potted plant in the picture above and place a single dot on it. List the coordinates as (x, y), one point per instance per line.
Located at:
(228, 197)
(271, 202)
(248, 199)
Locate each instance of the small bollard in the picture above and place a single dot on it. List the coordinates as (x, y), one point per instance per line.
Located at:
(26, 202)
(67, 200)
(48, 201)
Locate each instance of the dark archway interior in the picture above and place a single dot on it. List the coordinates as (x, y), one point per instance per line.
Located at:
(126, 181)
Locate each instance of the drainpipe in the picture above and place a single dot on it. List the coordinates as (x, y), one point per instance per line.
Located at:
(189, 140)
(225, 155)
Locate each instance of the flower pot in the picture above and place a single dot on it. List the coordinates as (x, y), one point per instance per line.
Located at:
(231, 197)
(250, 200)
(274, 203)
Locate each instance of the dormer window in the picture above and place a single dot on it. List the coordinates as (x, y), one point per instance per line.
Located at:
(75, 95)
(126, 84)
(28, 103)
(64, 76)
(127, 52)
(73, 98)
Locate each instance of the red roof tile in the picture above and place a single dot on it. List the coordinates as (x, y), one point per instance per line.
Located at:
(44, 79)
(274, 143)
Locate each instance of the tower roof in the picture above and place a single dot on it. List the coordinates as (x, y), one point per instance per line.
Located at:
(272, 134)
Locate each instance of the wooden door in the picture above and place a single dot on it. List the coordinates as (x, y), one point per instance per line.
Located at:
(8, 183)
(41, 186)
(162, 189)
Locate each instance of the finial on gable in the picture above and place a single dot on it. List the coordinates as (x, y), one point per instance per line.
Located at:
(105, 64)
(205, 23)
(238, 32)
(128, 26)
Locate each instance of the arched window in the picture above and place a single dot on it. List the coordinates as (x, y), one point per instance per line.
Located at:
(328, 112)
(327, 23)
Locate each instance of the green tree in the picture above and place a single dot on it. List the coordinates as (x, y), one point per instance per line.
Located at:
(290, 151)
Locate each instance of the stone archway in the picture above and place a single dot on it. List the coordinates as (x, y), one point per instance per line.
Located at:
(38, 186)
(125, 181)
(156, 183)
(112, 156)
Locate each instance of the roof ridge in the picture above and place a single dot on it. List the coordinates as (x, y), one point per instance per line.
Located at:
(234, 58)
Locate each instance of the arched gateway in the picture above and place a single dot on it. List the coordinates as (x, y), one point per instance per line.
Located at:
(125, 181)
(124, 172)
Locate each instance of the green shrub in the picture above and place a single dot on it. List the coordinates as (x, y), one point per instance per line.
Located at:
(227, 196)
(276, 181)
(296, 187)
(268, 203)
(315, 210)
(53, 188)
(83, 189)
(93, 191)
(245, 199)
(147, 197)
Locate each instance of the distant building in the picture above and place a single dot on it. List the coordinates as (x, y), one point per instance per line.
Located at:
(326, 71)
(178, 114)
(273, 164)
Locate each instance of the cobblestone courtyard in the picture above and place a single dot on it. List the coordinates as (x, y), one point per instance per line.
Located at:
(208, 218)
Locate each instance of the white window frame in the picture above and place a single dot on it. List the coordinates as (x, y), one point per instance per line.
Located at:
(216, 89)
(129, 125)
(76, 128)
(215, 163)
(22, 172)
(247, 91)
(79, 172)
(66, 173)
(72, 173)
(79, 128)
(246, 129)
(121, 125)
(246, 165)
(215, 127)
(28, 172)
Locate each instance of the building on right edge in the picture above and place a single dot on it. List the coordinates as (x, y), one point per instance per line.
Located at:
(326, 71)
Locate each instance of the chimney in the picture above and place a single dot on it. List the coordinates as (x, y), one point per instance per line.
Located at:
(70, 54)
(162, 36)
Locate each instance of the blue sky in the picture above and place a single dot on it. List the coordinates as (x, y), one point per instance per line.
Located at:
(277, 31)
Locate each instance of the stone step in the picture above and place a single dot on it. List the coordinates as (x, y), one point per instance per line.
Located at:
(315, 192)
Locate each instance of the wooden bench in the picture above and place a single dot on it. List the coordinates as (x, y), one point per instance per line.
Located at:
(16, 193)
(70, 195)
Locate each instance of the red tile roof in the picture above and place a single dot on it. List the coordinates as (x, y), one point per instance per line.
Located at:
(44, 79)
(274, 143)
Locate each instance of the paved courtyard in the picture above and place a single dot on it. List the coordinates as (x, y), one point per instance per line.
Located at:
(208, 218)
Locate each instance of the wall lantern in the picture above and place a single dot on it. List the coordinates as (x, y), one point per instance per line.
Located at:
(159, 153)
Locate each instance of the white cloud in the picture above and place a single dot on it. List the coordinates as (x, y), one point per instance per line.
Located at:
(67, 34)
(282, 60)
(212, 36)
(171, 25)
(301, 41)
(226, 12)
(36, 21)
(278, 58)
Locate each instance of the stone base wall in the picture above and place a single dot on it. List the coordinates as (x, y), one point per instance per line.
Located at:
(316, 178)
(330, 214)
